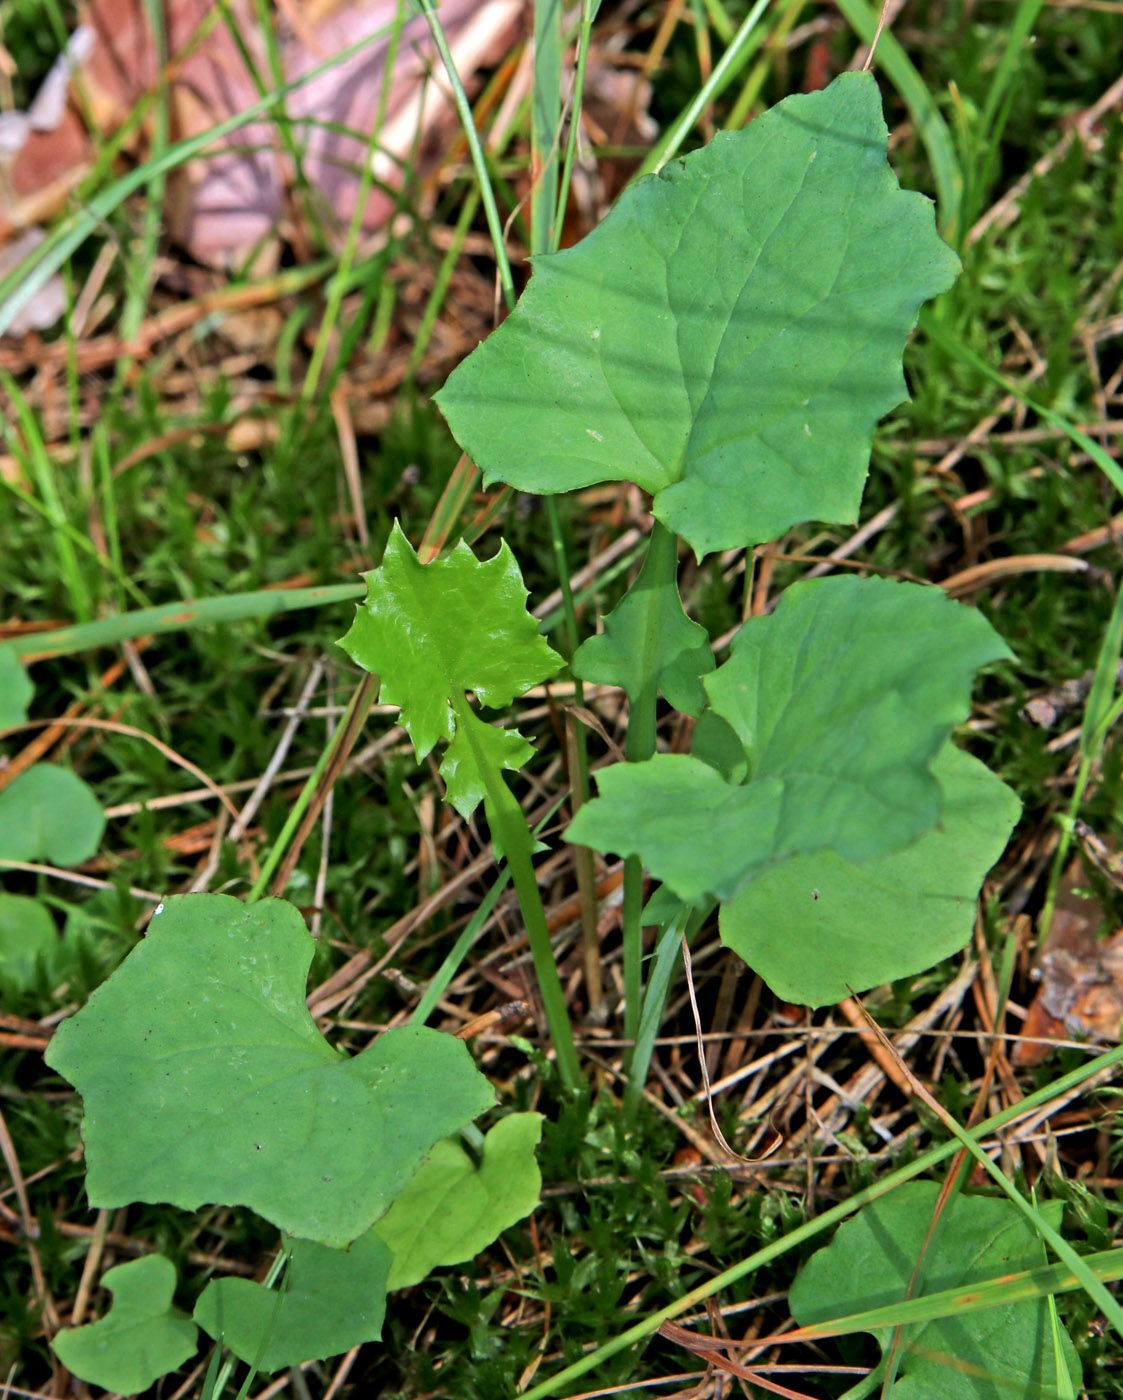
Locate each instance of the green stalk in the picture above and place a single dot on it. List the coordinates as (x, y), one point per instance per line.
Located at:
(658, 988)
(339, 283)
(584, 36)
(174, 617)
(479, 161)
(662, 558)
(292, 821)
(511, 832)
(759, 1258)
(140, 284)
(545, 124)
(725, 70)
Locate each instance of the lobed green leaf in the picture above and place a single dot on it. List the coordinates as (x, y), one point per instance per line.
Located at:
(205, 1079)
(452, 1209)
(140, 1339)
(840, 701)
(329, 1301)
(49, 813)
(818, 927)
(726, 338)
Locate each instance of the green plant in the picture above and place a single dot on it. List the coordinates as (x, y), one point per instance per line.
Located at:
(727, 340)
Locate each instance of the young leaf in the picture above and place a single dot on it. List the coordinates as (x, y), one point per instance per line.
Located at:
(649, 634)
(840, 700)
(817, 927)
(140, 1339)
(48, 813)
(329, 1301)
(728, 336)
(452, 1209)
(434, 631)
(16, 689)
(205, 1079)
(1003, 1350)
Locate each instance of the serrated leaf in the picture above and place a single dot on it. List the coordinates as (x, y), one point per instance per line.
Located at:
(727, 337)
(649, 635)
(28, 938)
(205, 1079)
(329, 1301)
(452, 1209)
(817, 927)
(434, 631)
(840, 699)
(140, 1339)
(998, 1351)
(48, 813)
(16, 689)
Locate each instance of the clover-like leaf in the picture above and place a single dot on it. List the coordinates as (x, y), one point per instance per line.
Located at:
(434, 631)
(205, 1079)
(140, 1339)
(452, 1209)
(993, 1352)
(728, 336)
(16, 689)
(648, 634)
(840, 700)
(49, 813)
(818, 927)
(329, 1301)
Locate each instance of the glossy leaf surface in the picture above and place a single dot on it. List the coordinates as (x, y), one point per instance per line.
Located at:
(205, 1079)
(998, 1351)
(818, 926)
(140, 1339)
(329, 1301)
(434, 631)
(49, 813)
(840, 701)
(726, 338)
(452, 1209)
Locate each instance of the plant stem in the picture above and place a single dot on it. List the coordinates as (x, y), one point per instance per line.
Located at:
(511, 832)
(305, 809)
(659, 984)
(472, 136)
(662, 559)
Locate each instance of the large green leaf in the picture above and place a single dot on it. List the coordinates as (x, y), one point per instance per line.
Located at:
(818, 927)
(728, 336)
(48, 813)
(840, 701)
(329, 1301)
(452, 1208)
(140, 1339)
(205, 1079)
(434, 631)
(649, 635)
(16, 689)
(987, 1354)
